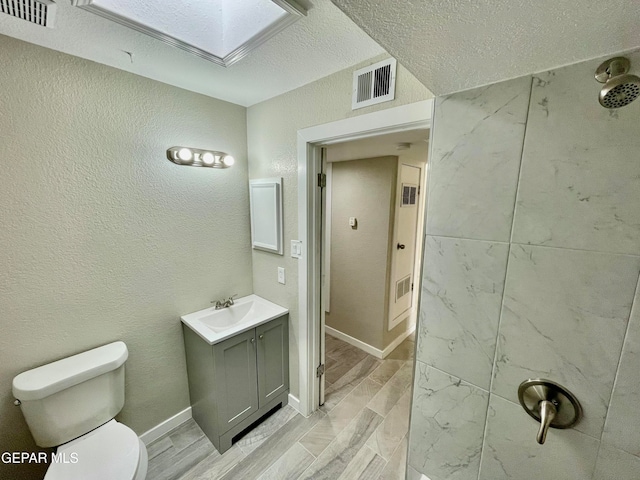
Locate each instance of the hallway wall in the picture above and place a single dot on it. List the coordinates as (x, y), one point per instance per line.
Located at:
(531, 270)
(361, 257)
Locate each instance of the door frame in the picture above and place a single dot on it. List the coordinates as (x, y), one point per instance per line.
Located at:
(310, 141)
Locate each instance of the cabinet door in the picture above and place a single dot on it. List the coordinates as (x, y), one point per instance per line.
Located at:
(273, 359)
(235, 379)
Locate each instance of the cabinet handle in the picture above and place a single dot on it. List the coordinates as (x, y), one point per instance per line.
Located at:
(261, 337)
(253, 340)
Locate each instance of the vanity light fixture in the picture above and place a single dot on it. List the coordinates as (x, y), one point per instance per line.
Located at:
(195, 157)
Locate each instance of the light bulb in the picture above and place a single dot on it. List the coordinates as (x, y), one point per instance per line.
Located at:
(185, 154)
(228, 160)
(208, 158)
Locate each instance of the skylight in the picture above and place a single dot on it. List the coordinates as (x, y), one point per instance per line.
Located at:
(222, 31)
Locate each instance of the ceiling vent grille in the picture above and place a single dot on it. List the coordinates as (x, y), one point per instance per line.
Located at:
(40, 12)
(374, 84)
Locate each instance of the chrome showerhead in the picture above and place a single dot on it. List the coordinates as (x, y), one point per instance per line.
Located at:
(620, 88)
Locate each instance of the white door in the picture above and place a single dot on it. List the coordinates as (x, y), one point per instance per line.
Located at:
(404, 249)
(324, 265)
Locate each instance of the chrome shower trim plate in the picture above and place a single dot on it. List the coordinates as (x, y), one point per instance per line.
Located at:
(533, 391)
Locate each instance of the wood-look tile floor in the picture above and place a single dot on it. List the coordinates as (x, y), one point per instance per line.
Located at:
(359, 433)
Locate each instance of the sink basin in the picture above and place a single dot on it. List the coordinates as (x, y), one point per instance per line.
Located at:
(221, 320)
(247, 312)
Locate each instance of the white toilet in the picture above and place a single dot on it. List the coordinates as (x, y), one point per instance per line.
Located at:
(71, 404)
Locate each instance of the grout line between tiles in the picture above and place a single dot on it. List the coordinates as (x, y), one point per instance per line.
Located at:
(484, 240)
(454, 376)
(636, 294)
(524, 141)
(493, 367)
(305, 449)
(573, 249)
(504, 284)
(595, 464)
(342, 399)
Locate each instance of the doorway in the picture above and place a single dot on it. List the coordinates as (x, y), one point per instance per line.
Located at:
(365, 353)
(371, 215)
(310, 140)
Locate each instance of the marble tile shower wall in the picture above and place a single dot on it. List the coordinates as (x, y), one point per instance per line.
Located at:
(531, 270)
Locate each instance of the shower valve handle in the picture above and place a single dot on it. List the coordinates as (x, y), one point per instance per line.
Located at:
(547, 413)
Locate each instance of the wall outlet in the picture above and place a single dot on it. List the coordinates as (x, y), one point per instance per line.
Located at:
(281, 278)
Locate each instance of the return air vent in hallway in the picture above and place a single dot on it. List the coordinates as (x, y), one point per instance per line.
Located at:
(40, 12)
(374, 84)
(403, 287)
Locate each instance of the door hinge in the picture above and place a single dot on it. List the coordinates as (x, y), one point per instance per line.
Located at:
(418, 189)
(412, 287)
(322, 180)
(320, 370)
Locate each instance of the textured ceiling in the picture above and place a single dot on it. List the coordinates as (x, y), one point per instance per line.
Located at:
(324, 42)
(453, 45)
(379, 146)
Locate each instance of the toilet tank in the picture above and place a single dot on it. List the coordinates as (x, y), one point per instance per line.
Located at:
(66, 399)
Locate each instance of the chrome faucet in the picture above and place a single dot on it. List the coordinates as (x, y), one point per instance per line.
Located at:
(225, 302)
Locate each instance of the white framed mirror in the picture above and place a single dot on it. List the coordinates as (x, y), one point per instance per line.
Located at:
(265, 196)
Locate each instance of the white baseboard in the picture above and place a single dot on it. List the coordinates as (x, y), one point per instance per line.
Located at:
(392, 346)
(365, 346)
(166, 426)
(354, 341)
(294, 402)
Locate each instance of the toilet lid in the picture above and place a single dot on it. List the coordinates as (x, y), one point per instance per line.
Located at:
(109, 452)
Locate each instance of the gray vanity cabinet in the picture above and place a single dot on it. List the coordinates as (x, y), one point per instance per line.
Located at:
(273, 359)
(235, 374)
(232, 384)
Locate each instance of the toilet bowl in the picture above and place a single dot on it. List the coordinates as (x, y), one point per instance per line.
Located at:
(112, 451)
(71, 404)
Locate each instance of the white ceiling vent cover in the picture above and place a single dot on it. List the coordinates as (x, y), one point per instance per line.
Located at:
(374, 84)
(40, 12)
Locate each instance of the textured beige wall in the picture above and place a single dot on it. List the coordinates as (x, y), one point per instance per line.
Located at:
(360, 258)
(417, 156)
(272, 145)
(101, 237)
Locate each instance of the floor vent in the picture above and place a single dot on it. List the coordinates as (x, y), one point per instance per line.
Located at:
(374, 84)
(40, 12)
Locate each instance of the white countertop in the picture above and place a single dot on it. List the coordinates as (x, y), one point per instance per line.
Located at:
(214, 326)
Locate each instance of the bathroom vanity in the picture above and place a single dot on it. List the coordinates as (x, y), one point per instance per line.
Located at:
(237, 364)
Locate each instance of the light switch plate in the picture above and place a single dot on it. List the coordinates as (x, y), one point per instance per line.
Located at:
(281, 278)
(296, 248)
